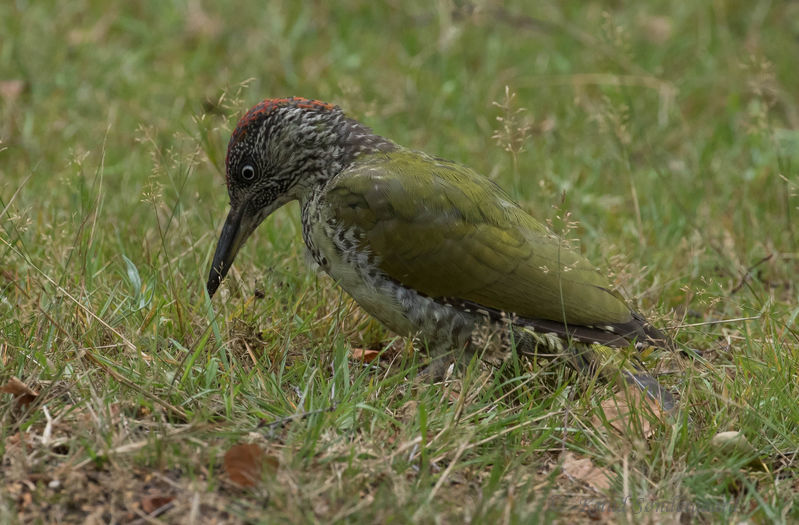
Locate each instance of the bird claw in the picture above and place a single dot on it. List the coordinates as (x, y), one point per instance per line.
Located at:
(439, 369)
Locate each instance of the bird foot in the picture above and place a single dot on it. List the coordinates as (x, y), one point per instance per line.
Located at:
(437, 370)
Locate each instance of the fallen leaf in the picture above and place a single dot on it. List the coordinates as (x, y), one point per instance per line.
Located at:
(153, 502)
(244, 464)
(363, 354)
(629, 409)
(584, 470)
(24, 394)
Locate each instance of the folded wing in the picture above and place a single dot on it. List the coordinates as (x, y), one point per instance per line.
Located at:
(451, 234)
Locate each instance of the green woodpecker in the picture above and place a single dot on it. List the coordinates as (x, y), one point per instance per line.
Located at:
(427, 246)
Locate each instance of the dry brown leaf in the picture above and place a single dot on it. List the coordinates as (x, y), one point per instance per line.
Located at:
(630, 409)
(153, 502)
(22, 392)
(244, 464)
(363, 354)
(583, 469)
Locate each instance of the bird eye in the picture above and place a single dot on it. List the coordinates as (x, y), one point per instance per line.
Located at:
(248, 172)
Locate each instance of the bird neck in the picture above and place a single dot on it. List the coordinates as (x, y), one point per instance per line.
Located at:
(356, 139)
(334, 150)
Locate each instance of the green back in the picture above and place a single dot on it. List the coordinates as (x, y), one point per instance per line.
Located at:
(447, 232)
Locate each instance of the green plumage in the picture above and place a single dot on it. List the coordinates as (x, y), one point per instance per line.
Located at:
(447, 232)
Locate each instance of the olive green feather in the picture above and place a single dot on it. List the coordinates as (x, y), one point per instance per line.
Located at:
(448, 232)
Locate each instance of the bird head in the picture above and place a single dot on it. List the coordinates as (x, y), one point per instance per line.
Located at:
(282, 149)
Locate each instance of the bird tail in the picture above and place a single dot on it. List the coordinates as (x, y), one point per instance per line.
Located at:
(596, 359)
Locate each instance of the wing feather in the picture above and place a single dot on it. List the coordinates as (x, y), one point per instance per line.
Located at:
(447, 232)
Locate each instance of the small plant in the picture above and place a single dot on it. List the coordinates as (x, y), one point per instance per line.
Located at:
(514, 129)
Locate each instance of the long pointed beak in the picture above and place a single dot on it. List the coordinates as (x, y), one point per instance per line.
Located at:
(234, 233)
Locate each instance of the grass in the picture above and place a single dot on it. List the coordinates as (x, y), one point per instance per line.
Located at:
(666, 131)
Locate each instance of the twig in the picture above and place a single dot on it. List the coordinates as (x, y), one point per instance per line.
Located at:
(464, 445)
(720, 321)
(282, 421)
(151, 518)
(14, 196)
(748, 273)
(133, 447)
